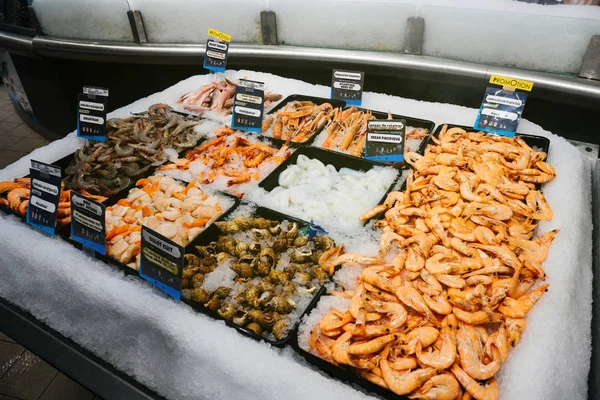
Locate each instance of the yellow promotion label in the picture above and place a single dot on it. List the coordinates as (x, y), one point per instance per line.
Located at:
(511, 83)
(219, 35)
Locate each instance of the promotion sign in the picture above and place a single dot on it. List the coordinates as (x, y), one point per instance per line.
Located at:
(501, 109)
(88, 222)
(161, 262)
(217, 47)
(347, 86)
(91, 113)
(385, 140)
(44, 196)
(248, 106)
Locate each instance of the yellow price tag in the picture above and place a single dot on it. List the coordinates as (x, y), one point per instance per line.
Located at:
(511, 83)
(219, 35)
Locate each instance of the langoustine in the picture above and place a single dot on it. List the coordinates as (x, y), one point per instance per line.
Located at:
(298, 121)
(463, 263)
(347, 132)
(217, 96)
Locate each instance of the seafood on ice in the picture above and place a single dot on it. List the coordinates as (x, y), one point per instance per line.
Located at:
(228, 158)
(310, 189)
(159, 202)
(15, 195)
(438, 311)
(260, 274)
(133, 146)
(346, 132)
(217, 96)
(298, 121)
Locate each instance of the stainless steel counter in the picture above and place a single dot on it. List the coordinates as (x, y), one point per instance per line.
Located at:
(561, 88)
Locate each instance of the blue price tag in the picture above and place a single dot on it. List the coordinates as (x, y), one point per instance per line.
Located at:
(500, 111)
(215, 56)
(161, 262)
(44, 196)
(88, 222)
(91, 113)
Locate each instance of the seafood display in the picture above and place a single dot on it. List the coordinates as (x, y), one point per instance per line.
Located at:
(298, 121)
(347, 132)
(438, 310)
(159, 202)
(133, 146)
(15, 196)
(260, 274)
(229, 158)
(310, 189)
(217, 96)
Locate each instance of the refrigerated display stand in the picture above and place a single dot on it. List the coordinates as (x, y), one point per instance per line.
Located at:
(168, 348)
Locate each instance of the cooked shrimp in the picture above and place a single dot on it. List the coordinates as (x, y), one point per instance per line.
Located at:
(413, 299)
(443, 358)
(469, 359)
(395, 311)
(474, 318)
(488, 391)
(402, 382)
(452, 281)
(371, 346)
(15, 197)
(519, 308)
(440, 387)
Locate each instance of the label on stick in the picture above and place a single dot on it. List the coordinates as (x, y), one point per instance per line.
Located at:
(44, 196)
(88, 222)
(217, 46)
(161, 262)
(385, 140)
(347, 86)
(500, 111)
(91, 113)
(248, 106)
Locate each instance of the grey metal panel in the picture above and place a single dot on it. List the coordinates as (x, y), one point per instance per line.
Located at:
(413, 43)
(590, 68)
(268, 24)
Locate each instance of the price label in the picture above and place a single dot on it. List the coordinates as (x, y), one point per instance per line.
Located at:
(385, 140)
(248, 106)
(215, 56)
(347, 86)
(501, 109)
(161, 262)
(44, 196)
(91, 113)
(88, 222)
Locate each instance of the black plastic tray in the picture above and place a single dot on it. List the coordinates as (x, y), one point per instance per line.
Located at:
(337, 159)
(211, 234)
(532, 140)
(300, 97)
(123, 194)
(342, 373)
(410, 121)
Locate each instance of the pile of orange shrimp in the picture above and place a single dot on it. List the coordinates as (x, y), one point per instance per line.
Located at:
(15, 195)
(437, 312)
(347, 131)
(298, 121)
(232, 156)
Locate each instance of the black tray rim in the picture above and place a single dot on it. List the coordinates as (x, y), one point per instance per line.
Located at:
(200, 308)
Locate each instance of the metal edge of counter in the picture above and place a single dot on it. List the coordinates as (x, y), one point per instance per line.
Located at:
(68, 357)
(563, 88)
